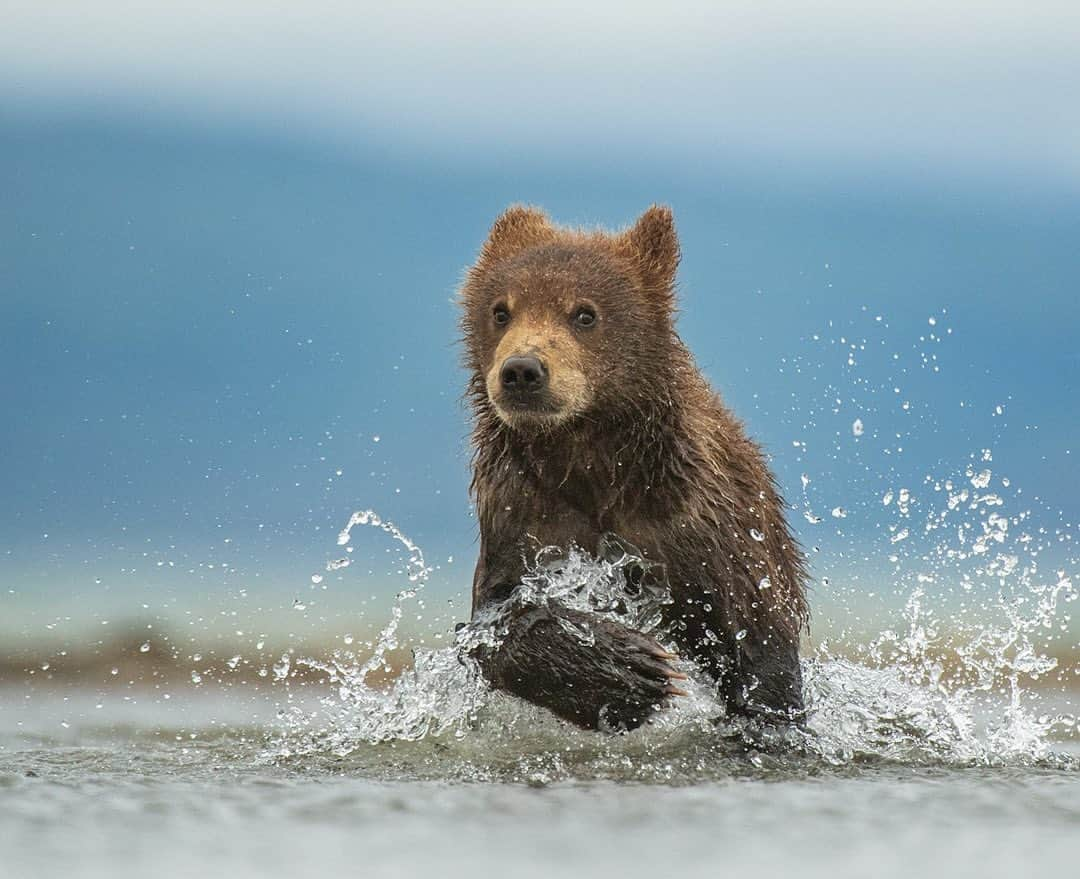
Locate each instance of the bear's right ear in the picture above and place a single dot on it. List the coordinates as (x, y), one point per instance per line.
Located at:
(518, 227)
(653, 245)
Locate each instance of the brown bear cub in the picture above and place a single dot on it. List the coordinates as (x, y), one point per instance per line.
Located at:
(591, 419)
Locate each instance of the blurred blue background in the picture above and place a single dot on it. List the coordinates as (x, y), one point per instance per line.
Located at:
(231, 234)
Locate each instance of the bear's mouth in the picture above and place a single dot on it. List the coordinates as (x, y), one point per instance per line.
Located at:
(526, 394)
(518, 407)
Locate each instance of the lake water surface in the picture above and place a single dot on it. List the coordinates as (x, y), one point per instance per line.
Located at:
(925, 752)
(205, 784)
(930, 749)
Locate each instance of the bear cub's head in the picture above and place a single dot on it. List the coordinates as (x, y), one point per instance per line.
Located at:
(562, 324)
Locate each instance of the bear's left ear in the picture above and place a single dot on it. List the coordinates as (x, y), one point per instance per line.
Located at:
(653, 246)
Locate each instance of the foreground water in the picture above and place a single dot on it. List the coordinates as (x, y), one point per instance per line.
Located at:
(929, 750)
(433, 777)
(200, 786)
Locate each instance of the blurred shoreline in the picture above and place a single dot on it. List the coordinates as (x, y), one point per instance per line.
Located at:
(130, 659)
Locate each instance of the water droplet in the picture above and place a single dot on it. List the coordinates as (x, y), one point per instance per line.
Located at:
(857, 427)
(839, 513)
(145, 647)
(316, 579)
(764, 583)
(196, 678)
(739, 635)
(281, 667)
(757, 535)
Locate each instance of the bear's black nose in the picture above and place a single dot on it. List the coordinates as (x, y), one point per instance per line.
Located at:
(523, 374)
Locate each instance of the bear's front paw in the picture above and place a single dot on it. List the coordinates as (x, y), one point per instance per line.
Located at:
(593, 672)
(643, 676)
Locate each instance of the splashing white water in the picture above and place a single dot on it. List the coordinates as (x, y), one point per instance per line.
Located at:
(913, 695)
(440, 691)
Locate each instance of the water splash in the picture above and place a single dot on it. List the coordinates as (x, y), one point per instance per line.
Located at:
(443, 692)
(618, 584)
(914, 695)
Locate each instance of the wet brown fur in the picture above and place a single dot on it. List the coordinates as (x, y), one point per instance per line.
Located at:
(642, 447)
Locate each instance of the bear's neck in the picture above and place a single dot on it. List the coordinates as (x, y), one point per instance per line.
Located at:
(612, 467)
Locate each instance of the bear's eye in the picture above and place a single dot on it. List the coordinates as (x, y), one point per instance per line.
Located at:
(502, 315)
(585, 316)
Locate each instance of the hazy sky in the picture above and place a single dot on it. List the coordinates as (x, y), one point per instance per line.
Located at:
(983, 88)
